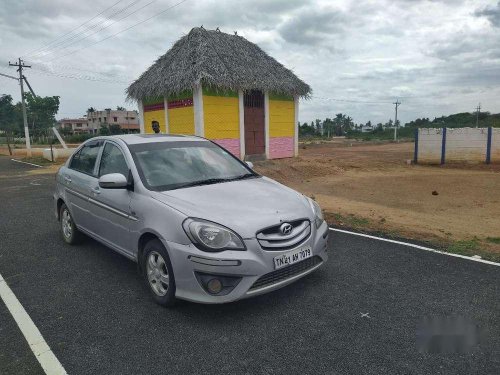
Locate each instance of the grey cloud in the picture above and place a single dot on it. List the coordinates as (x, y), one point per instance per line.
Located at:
(313, 27)
(491, 13)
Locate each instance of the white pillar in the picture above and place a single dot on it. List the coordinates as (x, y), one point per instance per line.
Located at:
(266, 121)
(296, 135)
(241, 112)
(165, 104)
(199, 122)
(141, 116)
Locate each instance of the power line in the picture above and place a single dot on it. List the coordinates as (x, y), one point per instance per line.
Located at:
(121, 31)
(351, 100)
(50, 70)
(8, 76)
(61, 47)
(79, 77)
(71, 31)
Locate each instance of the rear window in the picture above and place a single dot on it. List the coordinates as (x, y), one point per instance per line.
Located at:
(84, 160)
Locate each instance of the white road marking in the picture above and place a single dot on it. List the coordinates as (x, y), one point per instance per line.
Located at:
(25, 162)
(416, 246)
(39, 347)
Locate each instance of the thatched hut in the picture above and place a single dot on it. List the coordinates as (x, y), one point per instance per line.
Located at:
(224, 88)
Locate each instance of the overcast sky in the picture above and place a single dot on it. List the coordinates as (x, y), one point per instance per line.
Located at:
(438, 57)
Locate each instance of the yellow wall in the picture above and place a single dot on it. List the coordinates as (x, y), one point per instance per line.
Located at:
(181, 120)
(221, 116)
(151, 116)
(281, 118)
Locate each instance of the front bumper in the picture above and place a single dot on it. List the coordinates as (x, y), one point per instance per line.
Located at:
(250, 265)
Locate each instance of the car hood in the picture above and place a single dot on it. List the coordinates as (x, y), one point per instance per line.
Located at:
(245, 206)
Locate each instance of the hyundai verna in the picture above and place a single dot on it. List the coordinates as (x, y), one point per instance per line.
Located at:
(200, 223)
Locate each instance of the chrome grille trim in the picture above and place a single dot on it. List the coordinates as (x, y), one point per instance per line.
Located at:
(285, 275)
(272, 239)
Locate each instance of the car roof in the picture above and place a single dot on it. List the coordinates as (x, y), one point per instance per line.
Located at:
(132, 139)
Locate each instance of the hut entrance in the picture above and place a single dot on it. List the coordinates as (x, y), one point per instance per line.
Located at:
(255, 138)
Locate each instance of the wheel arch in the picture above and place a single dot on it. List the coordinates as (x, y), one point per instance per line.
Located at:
(141, 243)
(59, 203)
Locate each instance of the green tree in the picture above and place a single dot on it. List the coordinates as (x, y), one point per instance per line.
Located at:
(8, 118)
(115, 129)
(90, 110)
(41, 111)
(104, 130)
(118, 108)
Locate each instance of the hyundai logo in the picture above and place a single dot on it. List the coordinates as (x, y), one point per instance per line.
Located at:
(286, 228)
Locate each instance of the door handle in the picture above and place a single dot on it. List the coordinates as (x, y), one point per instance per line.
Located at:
(67, 179)
(96, 190)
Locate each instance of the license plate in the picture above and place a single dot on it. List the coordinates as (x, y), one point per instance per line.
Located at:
(292, 257)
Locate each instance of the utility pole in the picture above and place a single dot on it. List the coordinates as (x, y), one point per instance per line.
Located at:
(397, 104)
(20, 65)
(478, 109)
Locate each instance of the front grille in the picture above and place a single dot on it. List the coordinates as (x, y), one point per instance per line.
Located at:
(286, 273)
(272, 238)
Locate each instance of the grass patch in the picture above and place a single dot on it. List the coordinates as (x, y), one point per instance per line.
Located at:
(466, 247)
(494, 240)
(350, 220)
(475, 247)
(37, 160)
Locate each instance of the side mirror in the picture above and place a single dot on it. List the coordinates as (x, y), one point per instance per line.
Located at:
(113, 181)
(250, 164)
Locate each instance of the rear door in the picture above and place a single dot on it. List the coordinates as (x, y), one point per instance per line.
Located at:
(78, 180)
(111, 207)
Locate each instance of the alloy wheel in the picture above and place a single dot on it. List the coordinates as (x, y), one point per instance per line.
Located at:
(157, 272)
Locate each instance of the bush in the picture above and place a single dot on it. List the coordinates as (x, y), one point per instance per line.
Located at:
(78, 138)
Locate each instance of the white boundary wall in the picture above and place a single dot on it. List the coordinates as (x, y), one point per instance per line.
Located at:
(457, 144)
(429, 145)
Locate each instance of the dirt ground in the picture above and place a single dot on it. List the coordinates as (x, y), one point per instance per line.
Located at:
(372, 188)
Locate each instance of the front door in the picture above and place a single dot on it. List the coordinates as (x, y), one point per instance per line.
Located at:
(111, 207)
(255, 138)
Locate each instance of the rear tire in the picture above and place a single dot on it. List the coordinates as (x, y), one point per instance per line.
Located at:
(70, 233)
(158, 273)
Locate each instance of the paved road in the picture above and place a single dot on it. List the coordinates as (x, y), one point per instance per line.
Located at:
(97, 317)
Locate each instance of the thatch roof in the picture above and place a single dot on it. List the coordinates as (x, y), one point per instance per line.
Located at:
(220, 61)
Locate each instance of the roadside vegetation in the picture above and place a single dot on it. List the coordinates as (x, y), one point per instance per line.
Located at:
(343, 125)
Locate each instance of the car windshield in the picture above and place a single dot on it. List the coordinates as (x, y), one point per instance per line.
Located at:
(174, 165)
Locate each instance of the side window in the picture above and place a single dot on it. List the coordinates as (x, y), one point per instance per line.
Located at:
(112, 161)
(75, 160)
(84, 160)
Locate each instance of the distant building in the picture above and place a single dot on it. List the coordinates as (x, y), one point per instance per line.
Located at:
(127, 120)
(74, 125)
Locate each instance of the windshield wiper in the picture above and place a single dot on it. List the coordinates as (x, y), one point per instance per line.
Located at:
(210, 181)
(203, 182)
(242, 177)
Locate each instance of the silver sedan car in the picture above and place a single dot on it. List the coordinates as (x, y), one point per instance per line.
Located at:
(200, 223)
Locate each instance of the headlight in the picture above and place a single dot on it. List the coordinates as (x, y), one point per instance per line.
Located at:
(317, 213)
(208, 236)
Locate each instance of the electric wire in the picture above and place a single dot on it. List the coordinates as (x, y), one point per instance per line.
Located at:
(71, 31)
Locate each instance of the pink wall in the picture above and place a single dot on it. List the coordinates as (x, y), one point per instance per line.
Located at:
(232, 145)
(281, 147)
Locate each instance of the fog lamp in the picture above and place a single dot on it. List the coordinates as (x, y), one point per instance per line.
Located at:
(214, 286)
(217, 285)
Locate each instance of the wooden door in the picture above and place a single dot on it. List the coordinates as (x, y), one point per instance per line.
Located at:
(254, 118)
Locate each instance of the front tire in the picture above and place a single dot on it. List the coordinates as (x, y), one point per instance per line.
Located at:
(158, 273)
(71, 235)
